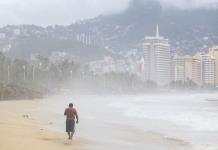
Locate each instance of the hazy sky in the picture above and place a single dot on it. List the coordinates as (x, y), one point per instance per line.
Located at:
(46, 12)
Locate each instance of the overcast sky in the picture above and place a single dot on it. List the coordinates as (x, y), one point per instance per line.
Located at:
(48, 12)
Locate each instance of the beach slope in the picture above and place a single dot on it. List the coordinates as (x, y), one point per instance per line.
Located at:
(20, 129)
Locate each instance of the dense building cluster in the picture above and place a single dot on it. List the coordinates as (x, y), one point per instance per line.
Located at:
(163, 67)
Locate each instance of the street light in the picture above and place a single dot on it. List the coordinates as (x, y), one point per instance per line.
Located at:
(33, 72)
(83, 74)
(71, 74)
(40, 65)
(24, 72)
(39, 71)
(8, 75)
(132, 81)
(104, 80)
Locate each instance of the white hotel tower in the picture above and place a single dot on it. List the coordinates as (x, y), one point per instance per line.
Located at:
(157, 56)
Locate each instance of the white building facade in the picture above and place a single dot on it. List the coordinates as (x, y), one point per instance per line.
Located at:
(157, 59)
(182, 68)
(208, 69)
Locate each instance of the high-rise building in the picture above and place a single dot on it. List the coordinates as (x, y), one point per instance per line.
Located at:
(199, 68)
(188, 67)
(214, 52)
(196, 71)
(182, 68)
(208, 68)
(178, 68)
(157, 59)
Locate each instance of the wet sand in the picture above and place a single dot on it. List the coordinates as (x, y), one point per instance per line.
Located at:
(20, 129)
(109, 132)
(25, 124)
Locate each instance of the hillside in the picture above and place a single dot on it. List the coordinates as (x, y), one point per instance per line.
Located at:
(187, 30)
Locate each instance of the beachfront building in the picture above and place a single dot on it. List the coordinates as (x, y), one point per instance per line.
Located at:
(157, 59)
(178, 68)
(200, 69)
(196, 71)
(208, 69)
(182, 68)
(213, 51)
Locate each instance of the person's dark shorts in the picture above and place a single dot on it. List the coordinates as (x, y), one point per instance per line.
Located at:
(70, 125)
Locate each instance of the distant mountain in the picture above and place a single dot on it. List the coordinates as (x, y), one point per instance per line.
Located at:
(26, 40)
(187, 30)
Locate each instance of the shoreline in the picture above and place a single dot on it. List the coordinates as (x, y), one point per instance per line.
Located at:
(20, 129)
(30, 124)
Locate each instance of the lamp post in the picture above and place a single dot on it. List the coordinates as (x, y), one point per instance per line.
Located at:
(71, 74)
(83, 74)
(104, 81)
(40, 65)
(33, 72)
(132, 81)
(24, 72)
(8, 74)
(39, 70)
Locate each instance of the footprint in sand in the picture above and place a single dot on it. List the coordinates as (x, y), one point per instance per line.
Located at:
(58, 141)
(67, 144)
(25, 116)
(180, 142)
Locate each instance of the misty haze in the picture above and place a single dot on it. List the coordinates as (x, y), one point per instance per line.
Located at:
(106, 74)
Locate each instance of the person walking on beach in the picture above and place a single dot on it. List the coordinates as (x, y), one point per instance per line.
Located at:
(71, 114)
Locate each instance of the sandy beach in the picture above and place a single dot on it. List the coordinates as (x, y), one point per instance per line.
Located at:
(21, 129)
(112, 123)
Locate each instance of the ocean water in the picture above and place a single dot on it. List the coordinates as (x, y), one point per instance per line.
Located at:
(110, 119)
(196, 111)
